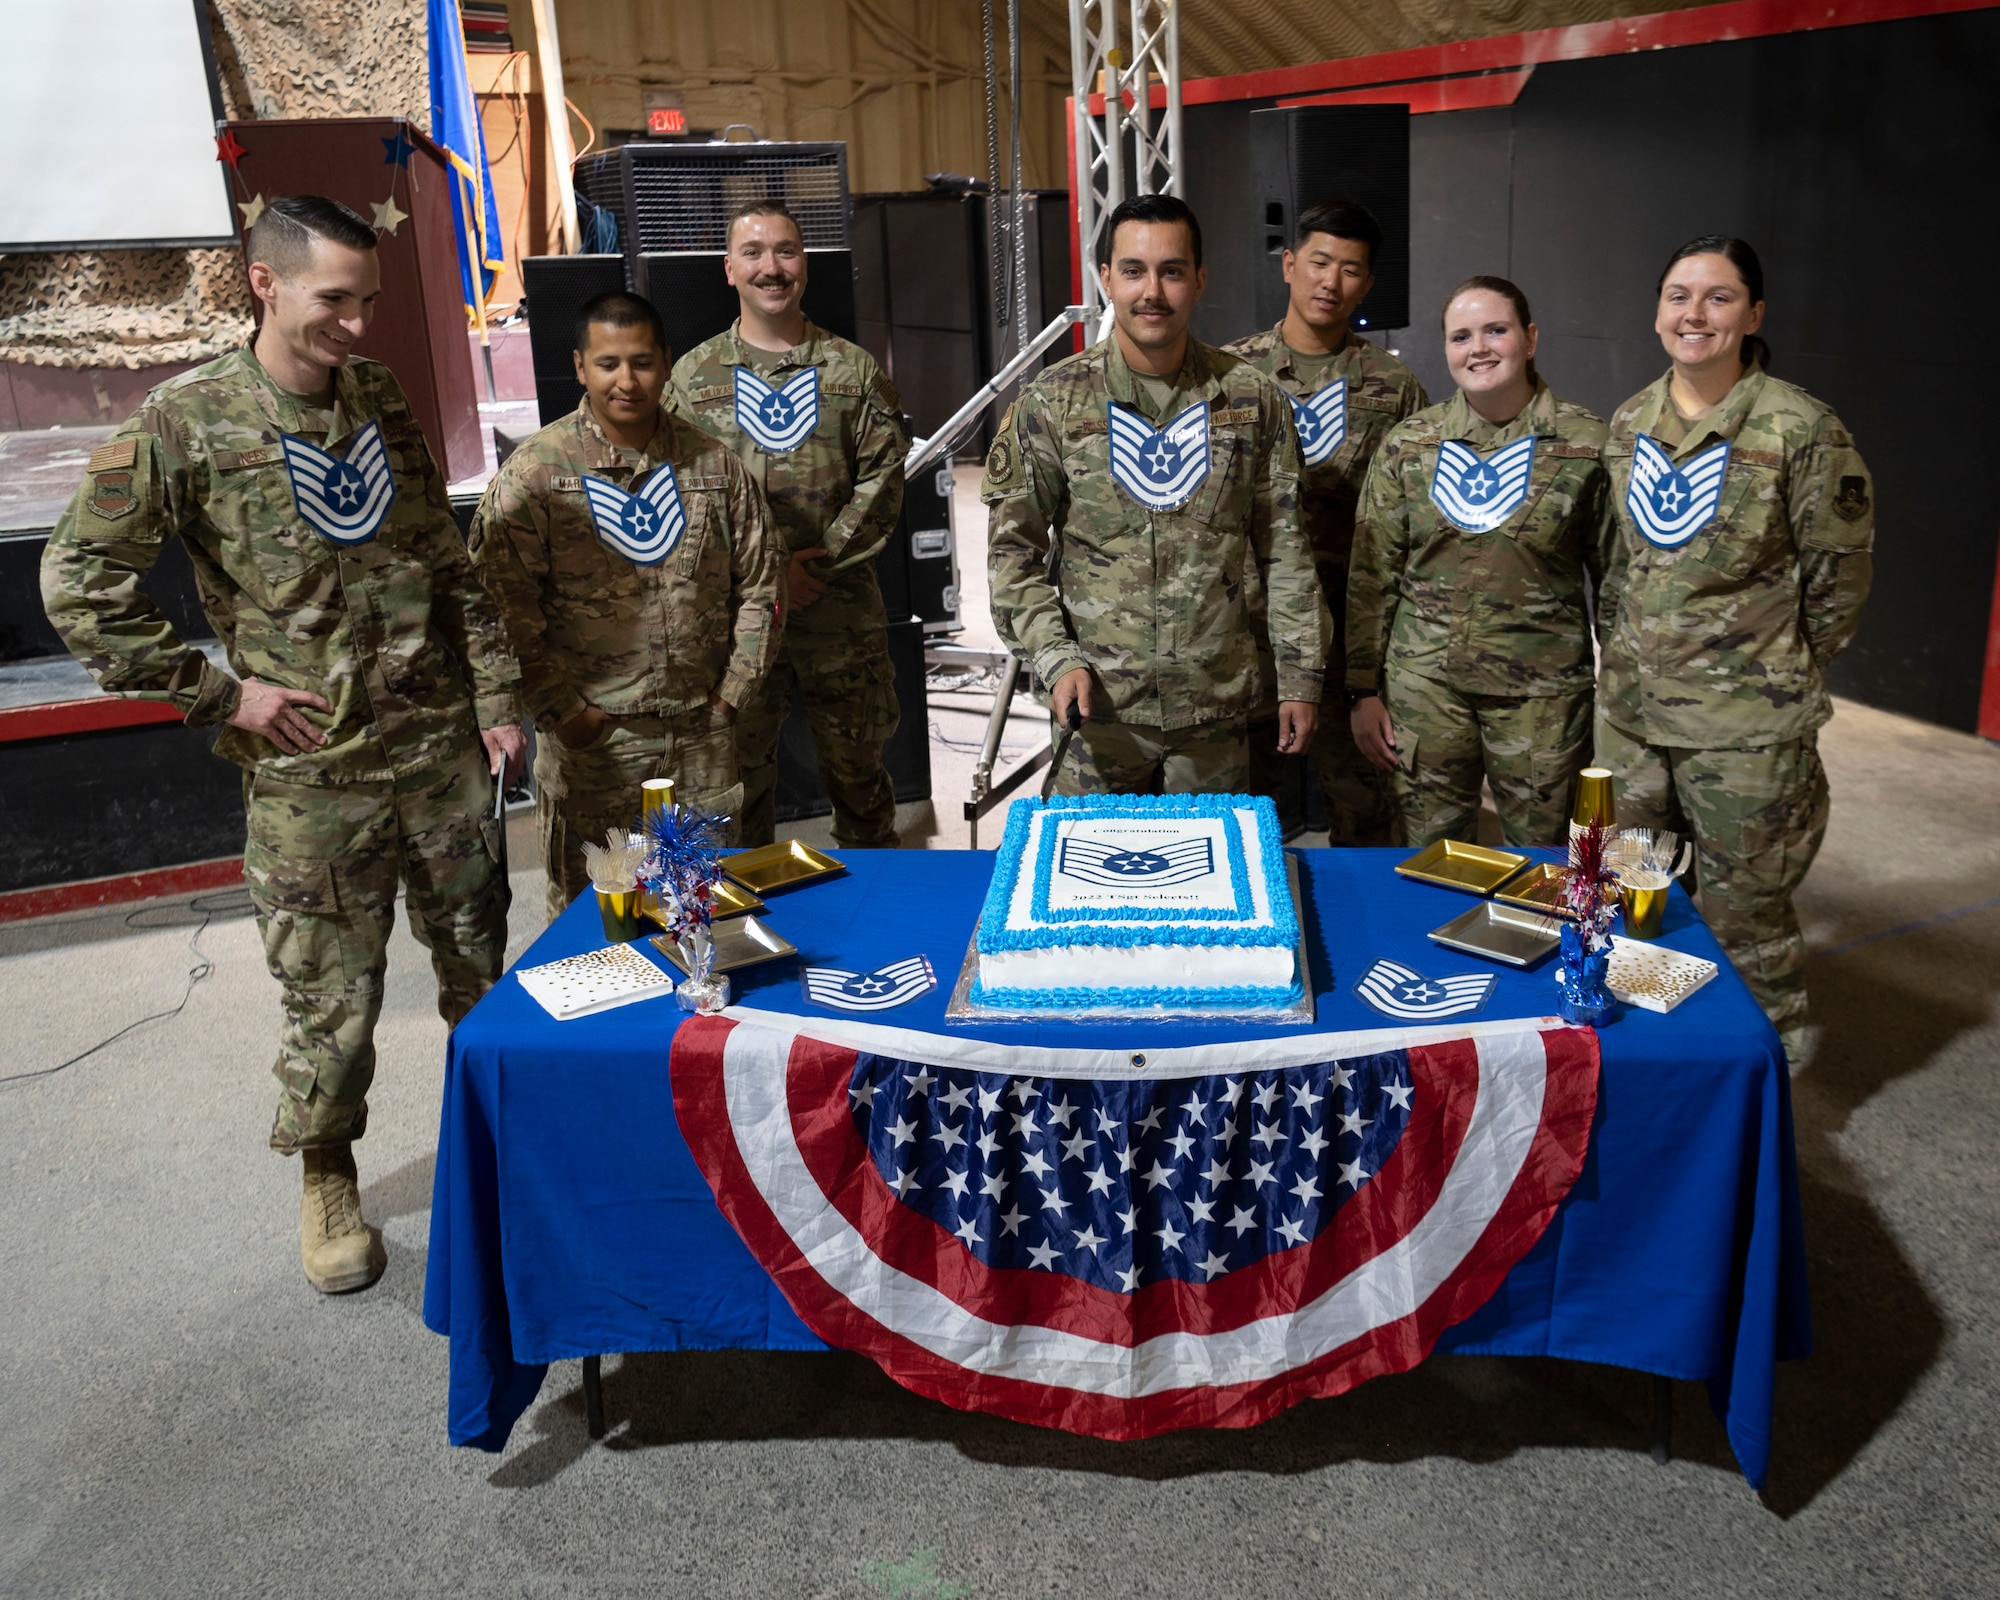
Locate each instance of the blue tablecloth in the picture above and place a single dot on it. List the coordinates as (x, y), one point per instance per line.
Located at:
(569, 1219)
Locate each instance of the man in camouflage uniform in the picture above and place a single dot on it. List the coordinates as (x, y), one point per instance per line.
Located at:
(821, 431)
(1136, 491)
(629, 556)
(1712, 690)
(370, 669)
(1346, 395)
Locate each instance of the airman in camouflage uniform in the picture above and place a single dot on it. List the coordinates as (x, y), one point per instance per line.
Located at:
(392, 660)
(1480, 643)
(1154, 604)
(1712, 689)
(652, 645)
(1381, 392)
(839, 490)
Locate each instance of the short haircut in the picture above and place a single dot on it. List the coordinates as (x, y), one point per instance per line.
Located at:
(282, 236)
(1150, 208)
(1343, 219)
(766, 207)
(618, 309)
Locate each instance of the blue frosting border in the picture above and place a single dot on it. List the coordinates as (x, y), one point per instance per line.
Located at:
(1239, 879)
(1242, 997)
(995, 936)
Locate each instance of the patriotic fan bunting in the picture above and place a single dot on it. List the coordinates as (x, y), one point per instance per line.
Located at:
(1322, 422)
(344, 500)
(1121, 1244)
(643, 527)
(1671, 504)
(1159, 468)
(778, 420)
(1479, 493)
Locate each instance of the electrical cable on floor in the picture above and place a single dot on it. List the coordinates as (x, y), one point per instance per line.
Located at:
(203, 966)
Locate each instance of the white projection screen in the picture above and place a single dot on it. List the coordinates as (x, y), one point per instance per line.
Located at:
(107, 126)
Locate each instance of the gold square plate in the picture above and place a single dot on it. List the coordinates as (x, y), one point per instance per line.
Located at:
(733, 900)
(784, 865)
(1501, 933)
(1538, 888)
(1469, 868)
(744, 942)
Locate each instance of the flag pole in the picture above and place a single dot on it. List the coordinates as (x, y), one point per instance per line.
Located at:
(556, 105)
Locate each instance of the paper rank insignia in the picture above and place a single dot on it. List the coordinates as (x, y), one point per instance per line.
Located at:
(879, 990)
(1161, 470)
(777, 420)
(1322, 422)
(1479, 493)
(1094, 861)
(1400, 991)
(1671, 504)
(642, 527)
(344, 500)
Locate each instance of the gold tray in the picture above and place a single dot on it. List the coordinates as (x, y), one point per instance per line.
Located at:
(1469, 868)
(733, 900)
(1539, 888)
(1500, 933)
(784, 865)
(745, 942)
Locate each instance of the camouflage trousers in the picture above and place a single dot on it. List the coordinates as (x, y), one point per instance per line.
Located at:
(323, 862)
(1130, 758)
(580, 794)
(1757, 816)
(1360, 805)
(1528, 748)
(849, 689)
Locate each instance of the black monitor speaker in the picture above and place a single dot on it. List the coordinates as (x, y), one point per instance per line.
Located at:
(1302, 155)
(557, 288)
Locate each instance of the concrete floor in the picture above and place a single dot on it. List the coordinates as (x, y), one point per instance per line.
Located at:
(182, 1415)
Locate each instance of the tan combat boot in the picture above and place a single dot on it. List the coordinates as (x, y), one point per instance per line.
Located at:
(336, 1246)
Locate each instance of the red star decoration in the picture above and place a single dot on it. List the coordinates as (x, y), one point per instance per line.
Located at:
(227, 149)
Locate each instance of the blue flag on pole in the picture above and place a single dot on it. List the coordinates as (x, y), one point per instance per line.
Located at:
(455, 126)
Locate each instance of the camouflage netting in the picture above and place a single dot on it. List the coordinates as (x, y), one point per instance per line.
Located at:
(142, 308)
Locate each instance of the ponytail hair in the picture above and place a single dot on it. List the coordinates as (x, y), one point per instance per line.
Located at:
(1508, 291)
(1740, 255)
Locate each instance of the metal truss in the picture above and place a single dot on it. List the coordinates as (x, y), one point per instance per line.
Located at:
(1129, 130)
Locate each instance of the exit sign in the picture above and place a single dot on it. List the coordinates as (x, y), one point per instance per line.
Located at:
(665, 110)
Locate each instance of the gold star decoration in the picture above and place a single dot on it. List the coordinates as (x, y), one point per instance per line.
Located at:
(252, 209)
(387, 216)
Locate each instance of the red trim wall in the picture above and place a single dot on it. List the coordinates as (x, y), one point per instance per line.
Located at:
(19, 904)
(81, 716)
(1989, 695)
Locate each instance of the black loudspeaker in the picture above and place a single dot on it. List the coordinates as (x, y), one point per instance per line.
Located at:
(557, 288)
(918, 568)
(907, 755)
(1302, 155)
(696, 302)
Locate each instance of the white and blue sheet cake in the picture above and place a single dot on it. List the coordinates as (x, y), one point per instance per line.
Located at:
(1134, 903)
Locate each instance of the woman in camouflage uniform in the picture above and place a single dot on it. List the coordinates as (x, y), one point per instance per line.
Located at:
(1744, 523)
(1468, 623)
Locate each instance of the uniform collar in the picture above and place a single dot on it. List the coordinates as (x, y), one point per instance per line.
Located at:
(1724, 422)
(1538, 417)
(808, 352)
(286, 410)
(1284, 352)
(1196, 380)
(605, 452)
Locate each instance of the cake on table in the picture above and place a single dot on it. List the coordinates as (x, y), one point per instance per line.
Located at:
(1128, 905)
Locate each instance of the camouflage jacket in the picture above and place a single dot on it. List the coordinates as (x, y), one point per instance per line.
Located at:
(841, 487)
(1496, 612)
(395, 632)
(592, 624)
(1154, 603)
(1720, 641)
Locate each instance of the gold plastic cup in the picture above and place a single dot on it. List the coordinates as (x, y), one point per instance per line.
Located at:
(1594, 801)
(619, 909)
(1645, 902)
(655, 794)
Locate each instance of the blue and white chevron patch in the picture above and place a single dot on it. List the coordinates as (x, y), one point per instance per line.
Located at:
(1094, 861)
(1161, 469)
(1671, 504)
(1322, 422)
(1399, 991)
(869, 991)
(344, 500)
(777, 420)
(642, 527)
(1479, 493)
